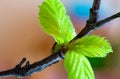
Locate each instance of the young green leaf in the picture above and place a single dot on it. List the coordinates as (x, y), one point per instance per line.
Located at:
(77, 66)
(55, 22)
(91, 46)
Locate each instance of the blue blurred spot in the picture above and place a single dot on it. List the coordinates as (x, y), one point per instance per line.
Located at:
(81, 10)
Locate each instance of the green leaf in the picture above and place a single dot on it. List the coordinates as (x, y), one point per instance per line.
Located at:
(77, 66)
(55, 22)
(91, 46)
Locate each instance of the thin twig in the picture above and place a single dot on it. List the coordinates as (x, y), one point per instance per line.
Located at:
(106, 20)
(93, 17)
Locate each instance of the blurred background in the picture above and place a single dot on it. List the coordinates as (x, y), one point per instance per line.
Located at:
(21, 36)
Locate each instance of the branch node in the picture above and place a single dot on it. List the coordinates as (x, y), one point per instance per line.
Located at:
(20, 71)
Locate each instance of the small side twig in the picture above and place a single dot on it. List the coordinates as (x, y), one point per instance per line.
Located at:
(29, 69)
(106, 20)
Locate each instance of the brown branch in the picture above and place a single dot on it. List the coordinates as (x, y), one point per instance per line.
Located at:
(106, 20)
(94, 11)
(95, 25)
(29, 69)
(93, 17)
(22, 71)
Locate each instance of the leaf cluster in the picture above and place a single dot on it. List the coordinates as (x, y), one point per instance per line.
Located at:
(55, 22)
